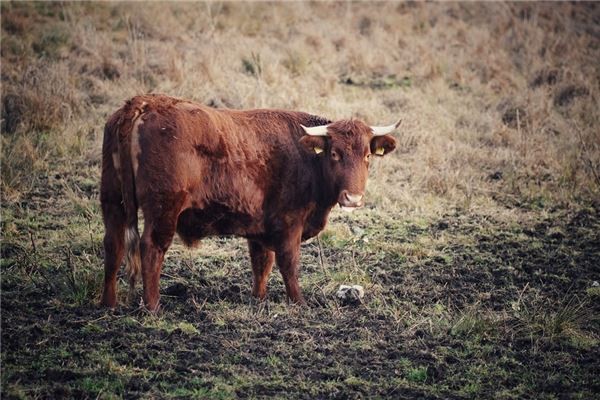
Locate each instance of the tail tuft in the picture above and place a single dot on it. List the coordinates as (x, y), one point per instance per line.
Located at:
(133, 261)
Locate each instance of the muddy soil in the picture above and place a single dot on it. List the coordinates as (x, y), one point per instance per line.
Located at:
(512, 312)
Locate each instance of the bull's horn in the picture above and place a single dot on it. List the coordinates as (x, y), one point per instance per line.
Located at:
(384, 130)
(320, 130)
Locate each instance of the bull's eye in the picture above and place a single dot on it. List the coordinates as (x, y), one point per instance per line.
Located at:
(335, 156)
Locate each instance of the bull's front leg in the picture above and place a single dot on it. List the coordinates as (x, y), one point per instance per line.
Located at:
(262, 263)
(287, 255)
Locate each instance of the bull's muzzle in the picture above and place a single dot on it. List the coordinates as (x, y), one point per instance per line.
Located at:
(350, 201)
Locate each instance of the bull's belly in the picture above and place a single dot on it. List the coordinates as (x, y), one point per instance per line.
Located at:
(310, 231)
(194, 224)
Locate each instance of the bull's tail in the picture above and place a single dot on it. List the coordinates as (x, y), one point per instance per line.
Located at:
(125, 126)
(133, 260)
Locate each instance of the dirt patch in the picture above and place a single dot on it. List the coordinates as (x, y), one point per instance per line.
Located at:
(545, 77)
(566, 95)
(439, 327)
(515, 117)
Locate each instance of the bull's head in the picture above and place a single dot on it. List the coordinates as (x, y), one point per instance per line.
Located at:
(344, 149)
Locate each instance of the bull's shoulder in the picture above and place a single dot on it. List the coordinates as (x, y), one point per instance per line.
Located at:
(310, 120)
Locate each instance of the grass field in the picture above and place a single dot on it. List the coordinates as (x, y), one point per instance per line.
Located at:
(479, 248)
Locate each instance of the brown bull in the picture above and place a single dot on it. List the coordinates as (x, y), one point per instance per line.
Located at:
(270, 176)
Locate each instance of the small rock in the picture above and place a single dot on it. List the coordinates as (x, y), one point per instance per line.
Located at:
(595, 284)
(350, 293)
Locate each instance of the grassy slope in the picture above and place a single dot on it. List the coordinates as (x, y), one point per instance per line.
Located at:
(478, 251)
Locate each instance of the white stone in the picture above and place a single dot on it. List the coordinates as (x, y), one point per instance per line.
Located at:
(350, 292)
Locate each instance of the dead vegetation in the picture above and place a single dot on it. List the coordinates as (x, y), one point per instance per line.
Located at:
(478, 251)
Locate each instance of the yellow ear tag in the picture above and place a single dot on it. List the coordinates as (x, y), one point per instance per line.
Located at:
(318, 150)
(380, 151)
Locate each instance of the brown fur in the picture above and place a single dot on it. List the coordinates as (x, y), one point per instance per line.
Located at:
(199, 171)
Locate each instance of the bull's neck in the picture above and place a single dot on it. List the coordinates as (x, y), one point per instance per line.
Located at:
(323, 192)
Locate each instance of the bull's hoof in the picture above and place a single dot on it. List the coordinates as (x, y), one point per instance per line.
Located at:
(152, 306)
(108, 301)
(152, 311)
(299, 301)
(259, 295)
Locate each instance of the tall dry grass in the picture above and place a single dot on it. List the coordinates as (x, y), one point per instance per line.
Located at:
(499, 101)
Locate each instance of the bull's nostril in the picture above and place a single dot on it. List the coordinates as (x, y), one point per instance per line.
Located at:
(354, 198)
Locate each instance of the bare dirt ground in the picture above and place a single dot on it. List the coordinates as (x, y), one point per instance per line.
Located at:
(479, 249)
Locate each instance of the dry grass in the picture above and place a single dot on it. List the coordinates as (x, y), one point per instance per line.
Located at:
(499, 101)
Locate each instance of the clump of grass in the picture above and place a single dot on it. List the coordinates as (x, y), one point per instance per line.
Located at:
(564, 323)
(417, 374)
(52, 42)
(471, 324)
(295, 63)
(37, 111)
(253, 65)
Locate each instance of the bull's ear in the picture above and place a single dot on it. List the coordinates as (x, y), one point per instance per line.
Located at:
(314, 144)
(381, 145)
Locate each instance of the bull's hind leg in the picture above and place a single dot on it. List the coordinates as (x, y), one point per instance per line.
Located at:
(262, 263)
(114, 225)
(159, 229)
(153, 246)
